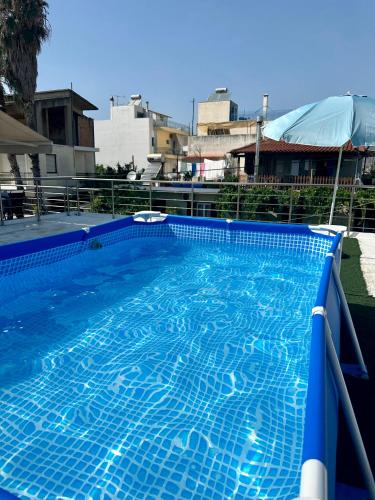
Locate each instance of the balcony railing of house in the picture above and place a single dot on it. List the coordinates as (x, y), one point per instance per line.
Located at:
(273, 202)
(170, 150)
(306, 179)
(172, 124)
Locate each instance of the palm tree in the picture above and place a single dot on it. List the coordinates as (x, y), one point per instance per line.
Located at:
(23, 29)
(14, 167)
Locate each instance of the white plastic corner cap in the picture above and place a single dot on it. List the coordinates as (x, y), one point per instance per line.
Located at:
(319, 310)
(313, 481)
(330, 228)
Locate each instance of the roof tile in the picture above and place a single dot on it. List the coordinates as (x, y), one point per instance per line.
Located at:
(271, 146)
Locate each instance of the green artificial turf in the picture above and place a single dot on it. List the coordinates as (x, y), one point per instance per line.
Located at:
(362, 392)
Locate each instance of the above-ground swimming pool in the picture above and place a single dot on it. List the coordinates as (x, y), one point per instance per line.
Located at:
(163, 360)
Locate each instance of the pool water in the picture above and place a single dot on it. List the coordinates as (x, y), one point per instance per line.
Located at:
(156, 368)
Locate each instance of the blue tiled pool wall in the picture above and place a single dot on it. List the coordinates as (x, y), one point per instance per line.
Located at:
(24, 255)
(40, 258)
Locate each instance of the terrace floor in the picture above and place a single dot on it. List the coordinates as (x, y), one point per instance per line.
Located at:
(29, 227)
(367, 260)
(362, 392)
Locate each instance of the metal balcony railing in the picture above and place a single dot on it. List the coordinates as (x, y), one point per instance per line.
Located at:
(172, 124)
(273, 202)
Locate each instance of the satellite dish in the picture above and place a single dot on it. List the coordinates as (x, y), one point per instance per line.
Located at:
(131, 175)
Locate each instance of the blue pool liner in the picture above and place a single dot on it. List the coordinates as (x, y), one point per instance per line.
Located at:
(21, 248)
(315, 434)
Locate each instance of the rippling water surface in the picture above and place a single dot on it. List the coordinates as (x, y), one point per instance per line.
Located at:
(156, 368)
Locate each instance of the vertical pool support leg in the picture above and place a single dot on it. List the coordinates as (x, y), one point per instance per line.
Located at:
(349, 412)
(349, 322)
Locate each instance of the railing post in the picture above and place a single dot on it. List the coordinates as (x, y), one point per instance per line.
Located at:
(91, 200)
(1, 208)
(150, 195)
(77, 195)
(67, 198)
(290, 206)
(113, 199)
(192, 200)
(350, 216)
(238, 201)
(37, 201)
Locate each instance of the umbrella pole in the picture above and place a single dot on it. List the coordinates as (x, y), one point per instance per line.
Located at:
(335, 187)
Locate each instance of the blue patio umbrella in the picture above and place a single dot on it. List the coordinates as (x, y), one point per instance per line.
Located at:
(331, 122)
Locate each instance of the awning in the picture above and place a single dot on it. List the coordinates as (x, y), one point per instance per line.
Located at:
(16, 138)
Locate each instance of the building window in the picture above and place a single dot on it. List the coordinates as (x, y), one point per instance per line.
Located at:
(152, 141)
(217, 131)
(167, 141)
(51, 164)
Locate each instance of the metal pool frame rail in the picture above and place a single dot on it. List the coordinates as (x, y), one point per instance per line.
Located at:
(325, 367)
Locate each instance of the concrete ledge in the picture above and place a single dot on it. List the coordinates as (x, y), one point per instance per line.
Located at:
(29, 228)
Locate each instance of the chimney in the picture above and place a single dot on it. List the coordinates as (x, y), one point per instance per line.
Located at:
(265, 106)
(147, 106)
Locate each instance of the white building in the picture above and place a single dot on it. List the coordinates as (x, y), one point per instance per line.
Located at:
(134, 133)
(59, 117)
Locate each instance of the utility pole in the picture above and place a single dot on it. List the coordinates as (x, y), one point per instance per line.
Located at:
(192, 120)
(257, 148)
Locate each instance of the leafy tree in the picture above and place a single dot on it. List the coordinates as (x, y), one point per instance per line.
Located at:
(14, 167)
(120, 172)
(23, 29)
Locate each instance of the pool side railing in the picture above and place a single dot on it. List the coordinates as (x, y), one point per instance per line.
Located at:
(318, 472)
(264, 201)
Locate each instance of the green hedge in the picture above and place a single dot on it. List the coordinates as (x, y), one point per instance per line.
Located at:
(310, 204)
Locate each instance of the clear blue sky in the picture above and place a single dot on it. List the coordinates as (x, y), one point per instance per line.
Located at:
(172, 50)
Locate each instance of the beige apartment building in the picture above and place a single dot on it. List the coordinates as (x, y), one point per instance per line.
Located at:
(220, 129)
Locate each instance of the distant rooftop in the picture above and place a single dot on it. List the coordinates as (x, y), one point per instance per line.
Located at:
(79, 101)
(271, 146)
(82, 103)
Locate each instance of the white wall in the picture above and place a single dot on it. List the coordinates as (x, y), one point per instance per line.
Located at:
(217, 143)
(122, 136)
(67, 165)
